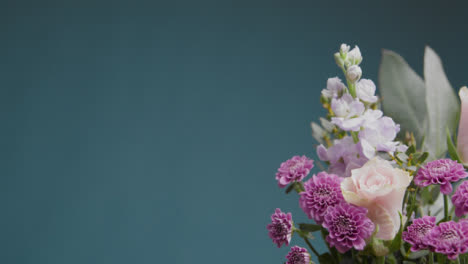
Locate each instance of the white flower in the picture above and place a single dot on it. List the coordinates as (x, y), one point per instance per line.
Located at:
(334, 87)
(354, 73)
(365, 90)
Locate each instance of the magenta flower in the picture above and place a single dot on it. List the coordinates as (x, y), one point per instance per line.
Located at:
(298, 255)
(348, 227)
(280, 228)
(417, 231)
(321, 191)
(294, 169)
(460, 199)
(449, 238)
(442, 172)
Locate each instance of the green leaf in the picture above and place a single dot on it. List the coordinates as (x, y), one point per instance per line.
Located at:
(402, 157)
(418, 254)
(411, 149)
(309, 227)
(442, 103)
(403, 94)
(423, 158)
(290, 188)
(452, 150)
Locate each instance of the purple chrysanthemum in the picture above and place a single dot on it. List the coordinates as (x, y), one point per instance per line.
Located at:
(280, 228)
(294, 169)
(321, 191)
(442, 172)
(348, 227)
(298, 255)
(449, 238)
(417, 231)
(460, 199)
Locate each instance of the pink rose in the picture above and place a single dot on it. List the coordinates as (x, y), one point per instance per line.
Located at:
(380, 188)
(462, 144)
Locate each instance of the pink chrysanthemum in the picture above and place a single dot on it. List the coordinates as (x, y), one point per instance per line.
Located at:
(294, 169)
(449, 238)
(442, 172)
(321, 192)
(460, 199)
(417, 231)
(298, 255)
(280, 228)
(348, 227)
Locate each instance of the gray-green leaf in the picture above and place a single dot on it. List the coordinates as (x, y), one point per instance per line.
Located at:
(442, 105)
(403, 94)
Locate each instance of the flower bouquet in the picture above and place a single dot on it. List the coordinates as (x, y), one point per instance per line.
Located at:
(387, 191)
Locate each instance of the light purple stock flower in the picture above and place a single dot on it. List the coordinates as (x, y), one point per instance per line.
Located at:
(449, 238)
(344, 155)
(365, 90)
(460, 199)
(442, 172)
(348, 227)
(280, 228)
(298, 255)
(321, 192)
(416, 233)
(348, 113)
(378, 134)
(294, 169)
(334, 87)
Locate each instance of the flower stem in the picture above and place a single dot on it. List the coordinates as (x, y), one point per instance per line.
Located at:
(431, 258)
(380, 260)
(352, 89)
(446, 209)
(311, 247)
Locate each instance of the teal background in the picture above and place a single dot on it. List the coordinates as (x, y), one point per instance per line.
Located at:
(150, 131)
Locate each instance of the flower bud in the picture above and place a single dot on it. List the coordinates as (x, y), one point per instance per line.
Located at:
(462, 141)
(353, 74)
(339, 60)
(344, 49)
(354, 57)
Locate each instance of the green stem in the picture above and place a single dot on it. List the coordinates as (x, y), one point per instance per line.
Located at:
(380, 260)
(446, 209)
(431, 258)
(311, 247)
(404, 200)
(352, 89)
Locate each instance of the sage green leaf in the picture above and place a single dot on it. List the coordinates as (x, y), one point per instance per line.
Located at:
(403, 95)
(418, 254)
(442, 103)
